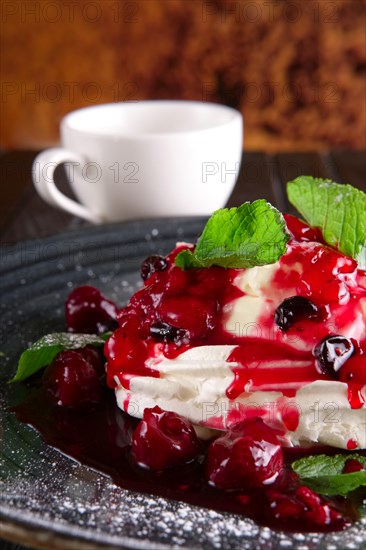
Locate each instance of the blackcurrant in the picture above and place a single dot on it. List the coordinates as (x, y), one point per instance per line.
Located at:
(331, 353)
(294, 309)
(152, 264)
(163, 332)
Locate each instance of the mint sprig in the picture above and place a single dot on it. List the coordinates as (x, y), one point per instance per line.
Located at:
(323, 473)
(43, 352)
(250, 235)
(339, 210)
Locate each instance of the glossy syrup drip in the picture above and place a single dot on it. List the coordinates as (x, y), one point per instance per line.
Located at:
(355, 396)
(262, 368)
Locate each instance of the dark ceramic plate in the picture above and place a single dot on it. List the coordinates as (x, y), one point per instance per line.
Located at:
(49, 500)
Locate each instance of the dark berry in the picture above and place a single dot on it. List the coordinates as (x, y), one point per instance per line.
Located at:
(352, 465)
(88, 311)
(295, 309)
(164, 439)
(92, 355)
(151, 265)
(163, 332)
(71, 380)
(248, 455)
(331, 353)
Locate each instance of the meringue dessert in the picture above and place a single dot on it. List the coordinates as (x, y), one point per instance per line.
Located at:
(284, 342)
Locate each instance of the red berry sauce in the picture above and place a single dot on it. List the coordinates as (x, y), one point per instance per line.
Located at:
(102, 436)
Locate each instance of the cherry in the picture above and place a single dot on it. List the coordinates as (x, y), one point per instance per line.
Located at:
(301, 231)
(308, 497)
(189, 313)
(324, 276)
(164, 439)
(331, 353)
(249, 455)
(88, 311)
(303, 504)
(129, 323)
(71, 380)
(178, 280)
(352, 465)
(294, 309)
(91, 354)
(285, 508)
(125, 353)
(151, 265)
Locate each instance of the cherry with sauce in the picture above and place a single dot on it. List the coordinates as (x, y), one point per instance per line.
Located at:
(88, 311)
(248, 455)
(353, 371)
(352, 465)
(71, 380)
(301, 231)
(93, 356)
(164, 439)
(303, 504)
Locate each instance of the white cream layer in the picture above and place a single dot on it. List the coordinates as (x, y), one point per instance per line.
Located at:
(194, 385)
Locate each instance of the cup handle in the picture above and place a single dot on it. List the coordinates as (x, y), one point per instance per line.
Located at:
(43, 170)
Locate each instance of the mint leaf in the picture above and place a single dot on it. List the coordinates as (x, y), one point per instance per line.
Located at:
(186, 260)
(42, 352)
(252, 234)
(323, 473)
(338, 210)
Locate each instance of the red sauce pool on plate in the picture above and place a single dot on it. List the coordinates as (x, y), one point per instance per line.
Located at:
(100, 436)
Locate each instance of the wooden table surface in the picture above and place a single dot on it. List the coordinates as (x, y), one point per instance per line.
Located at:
(24, 215)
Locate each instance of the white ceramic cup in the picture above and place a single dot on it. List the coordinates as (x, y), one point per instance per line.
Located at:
(144, 159)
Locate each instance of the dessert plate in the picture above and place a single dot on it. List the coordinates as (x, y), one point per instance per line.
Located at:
(46, 498)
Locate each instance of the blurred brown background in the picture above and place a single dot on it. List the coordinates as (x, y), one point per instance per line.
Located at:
(296, 69)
